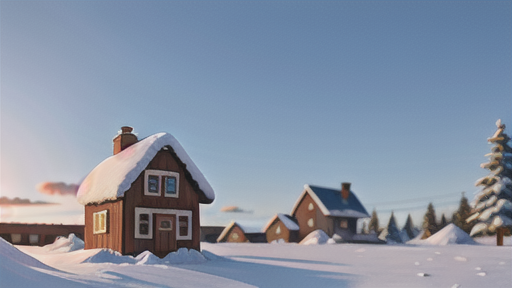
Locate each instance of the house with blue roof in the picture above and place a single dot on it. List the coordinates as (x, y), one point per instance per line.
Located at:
(335, 211)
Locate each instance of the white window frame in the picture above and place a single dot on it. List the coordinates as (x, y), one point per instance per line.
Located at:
(100, 230)
(161, 174)
(151, 211)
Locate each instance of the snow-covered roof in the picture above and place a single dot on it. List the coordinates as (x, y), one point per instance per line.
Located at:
(288, 221)
(331, 203)
(115, 175)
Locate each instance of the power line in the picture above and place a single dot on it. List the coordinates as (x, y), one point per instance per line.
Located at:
(412, 200)
(441, 204)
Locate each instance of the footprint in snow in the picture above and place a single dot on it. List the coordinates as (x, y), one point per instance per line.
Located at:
(456, 286)
(438, 253)
(430, 259)
(417, 263)
(481, 274)
(460, 258)
(478, 268)
(423, 274)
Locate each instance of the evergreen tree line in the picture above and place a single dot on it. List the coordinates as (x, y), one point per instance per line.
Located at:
(430, 224)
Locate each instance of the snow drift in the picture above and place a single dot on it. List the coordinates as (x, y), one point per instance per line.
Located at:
(65, 244)
(18, 269)
(315, 237)
(451, 234)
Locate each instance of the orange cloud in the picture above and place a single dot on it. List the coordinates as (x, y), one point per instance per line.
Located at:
(234, 209)
(57, 188)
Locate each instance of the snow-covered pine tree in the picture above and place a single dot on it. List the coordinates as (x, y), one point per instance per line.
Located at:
(460, 216)
(492, 206)
(393, 232)
(374, 222)
(409, 227)
(429, 222)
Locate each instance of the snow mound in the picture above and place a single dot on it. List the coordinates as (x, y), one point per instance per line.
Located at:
(182, 256)
(10, 254)
(451, 234)
(278, 241)
(315, 237)
(65, 244)
(110, 256)
(18, 269)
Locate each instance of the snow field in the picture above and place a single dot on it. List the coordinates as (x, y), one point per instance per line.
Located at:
(261, 265)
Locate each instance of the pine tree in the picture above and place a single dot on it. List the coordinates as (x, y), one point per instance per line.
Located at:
(409, 227)
(393, 233)
(460, 216)
(429, 222)
(364, 229)
(374, 222)
(444, 222)
(492, 206)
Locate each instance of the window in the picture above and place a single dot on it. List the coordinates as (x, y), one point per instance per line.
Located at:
(15, 238)
(183, 221)
(33, 239)
(165, 225)
(153, 184)
(144, 224)
(311, 222)
(235, 236)
(344, 223)
(310, 206)
(100, 222)
(278, 230)
(159, 182)
(169, 185)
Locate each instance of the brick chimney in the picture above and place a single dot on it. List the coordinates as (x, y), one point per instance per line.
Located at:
(124, 139)
(345, 190)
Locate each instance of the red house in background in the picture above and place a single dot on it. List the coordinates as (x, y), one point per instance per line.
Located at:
(145, 197)
(335, 211)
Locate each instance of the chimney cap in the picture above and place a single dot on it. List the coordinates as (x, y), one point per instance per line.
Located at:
(126, 129)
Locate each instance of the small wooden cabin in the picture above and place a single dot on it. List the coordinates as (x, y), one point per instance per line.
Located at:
(284, 227)
(232, 233)
(335, 211)
(144, 197)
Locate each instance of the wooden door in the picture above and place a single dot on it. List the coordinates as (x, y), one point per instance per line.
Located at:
(165, 235)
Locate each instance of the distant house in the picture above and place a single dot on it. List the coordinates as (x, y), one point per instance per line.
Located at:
(335, 211)
(144, 197)
(282, 226)
(235, 233)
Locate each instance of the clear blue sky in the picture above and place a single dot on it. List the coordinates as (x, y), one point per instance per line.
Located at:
(396, 97)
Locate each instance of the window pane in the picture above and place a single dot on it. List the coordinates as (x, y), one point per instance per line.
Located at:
(96, 222)
(143, 228)
(153, 184)
(183, 225)
(16, 238)
(170, 185)
(144, 217)
(102, 222)
(33, 239)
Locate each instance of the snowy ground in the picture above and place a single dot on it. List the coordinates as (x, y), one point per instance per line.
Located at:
(263, 265)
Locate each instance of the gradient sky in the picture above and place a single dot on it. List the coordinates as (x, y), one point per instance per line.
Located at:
(397, 98)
